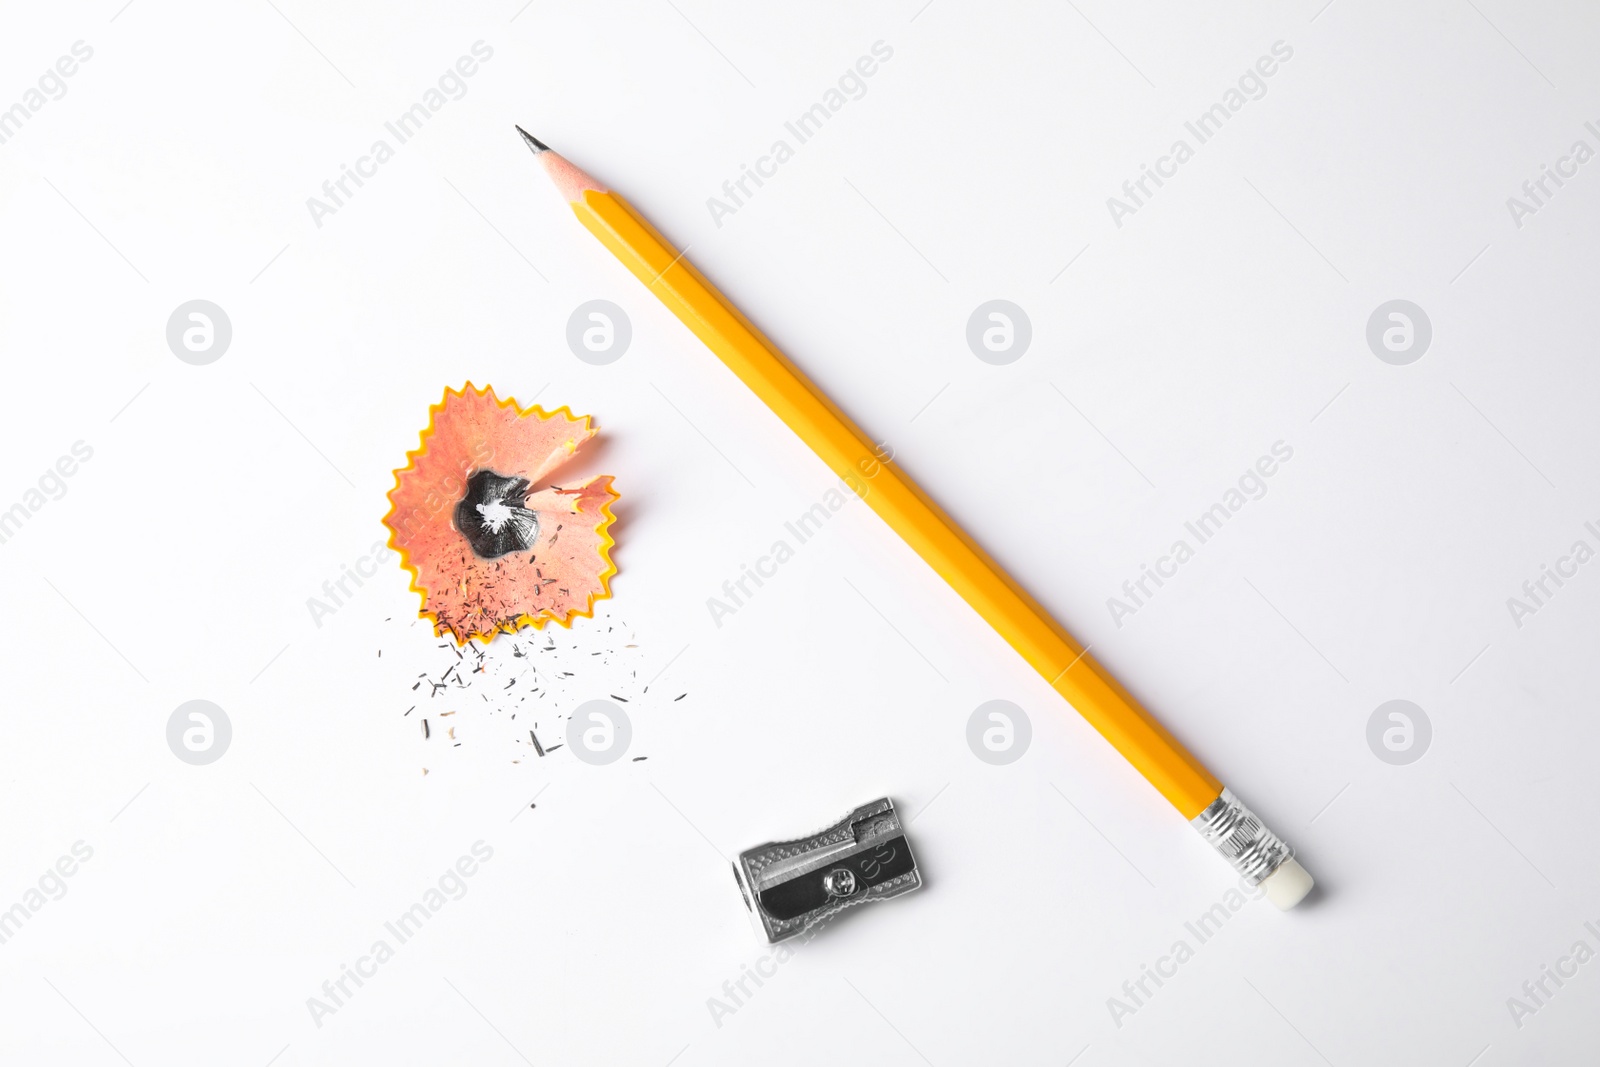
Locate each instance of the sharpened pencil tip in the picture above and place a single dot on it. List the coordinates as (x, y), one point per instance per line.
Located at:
(533, 142)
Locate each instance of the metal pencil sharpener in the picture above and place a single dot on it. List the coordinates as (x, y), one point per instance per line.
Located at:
(790, 886)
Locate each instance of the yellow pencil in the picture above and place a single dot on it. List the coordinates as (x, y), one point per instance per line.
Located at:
(1259, 855)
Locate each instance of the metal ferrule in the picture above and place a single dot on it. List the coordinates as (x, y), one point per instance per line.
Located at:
(1239, 835)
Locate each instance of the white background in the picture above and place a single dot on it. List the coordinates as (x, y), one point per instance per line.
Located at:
(1227, 314)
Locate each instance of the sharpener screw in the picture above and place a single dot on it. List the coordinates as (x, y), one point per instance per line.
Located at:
(839, 883)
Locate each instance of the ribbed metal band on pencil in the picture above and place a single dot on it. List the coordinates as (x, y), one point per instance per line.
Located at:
(1243, 840)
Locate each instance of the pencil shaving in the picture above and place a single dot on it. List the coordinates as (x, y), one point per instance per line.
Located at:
(490, 543)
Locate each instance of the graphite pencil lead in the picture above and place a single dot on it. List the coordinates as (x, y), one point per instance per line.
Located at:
(533, 142)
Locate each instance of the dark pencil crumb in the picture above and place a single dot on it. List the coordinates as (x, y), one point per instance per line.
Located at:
(506, 668)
